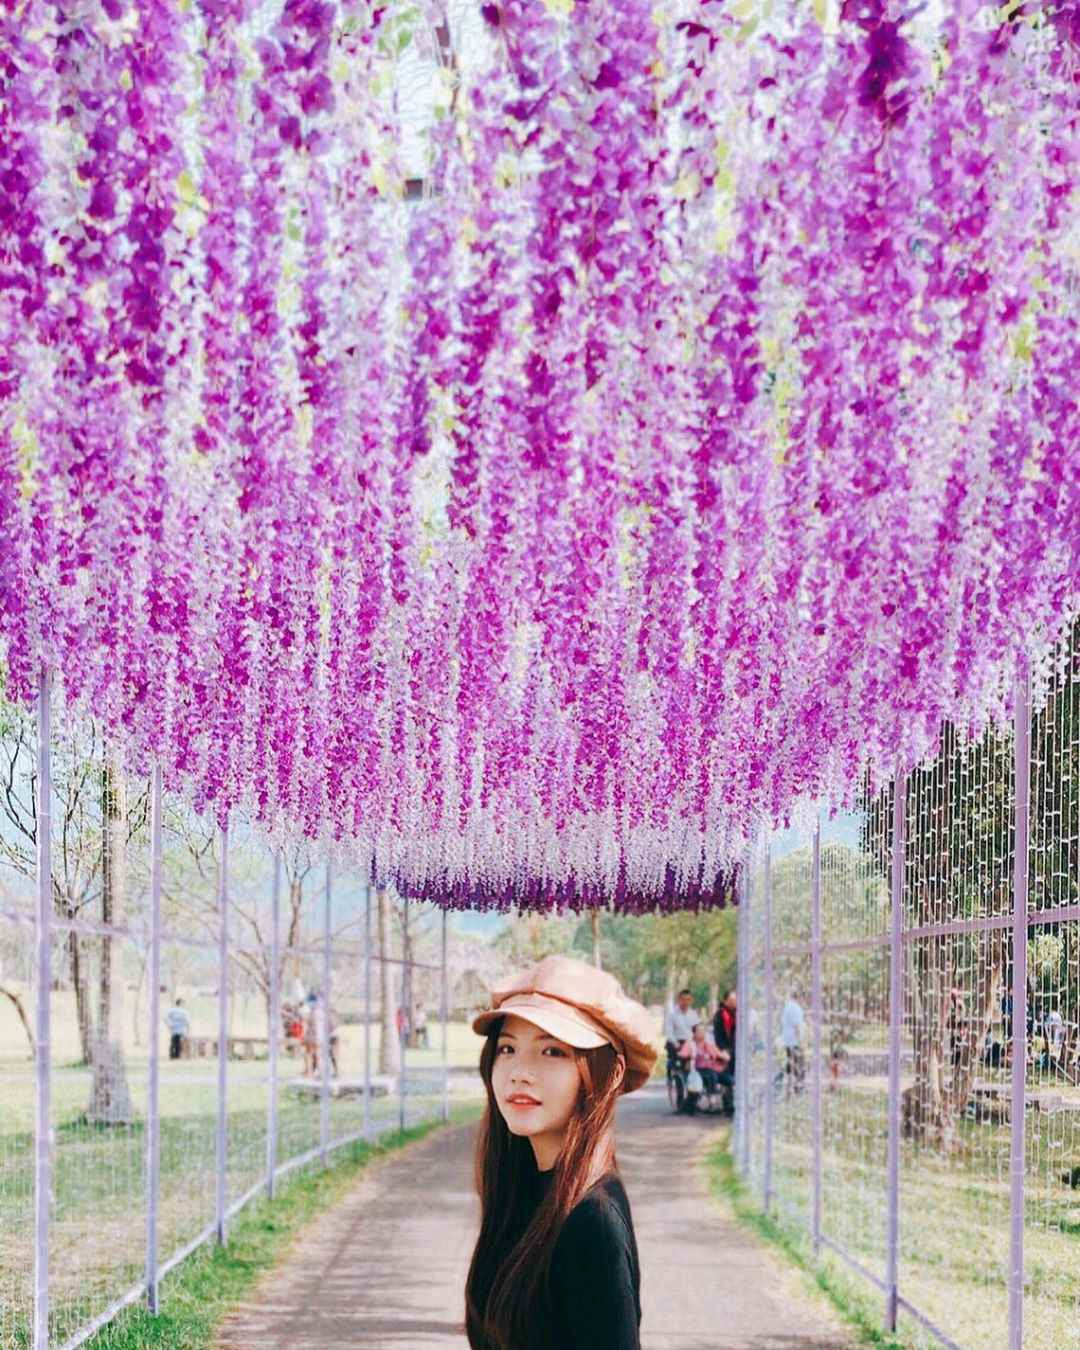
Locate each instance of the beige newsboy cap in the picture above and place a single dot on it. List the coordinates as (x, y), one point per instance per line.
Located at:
(580, 1005)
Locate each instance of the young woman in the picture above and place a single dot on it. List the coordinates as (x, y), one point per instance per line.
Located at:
(556, 1264)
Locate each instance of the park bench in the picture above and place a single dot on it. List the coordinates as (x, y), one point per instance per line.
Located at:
(238, 1047)
(993, 1101)
(245, 1047)
(310, 1089)
(1068, 1063)
(198, 1047)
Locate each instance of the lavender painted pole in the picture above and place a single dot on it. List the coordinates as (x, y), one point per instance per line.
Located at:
(737, 1123)
(445, 1010)
(770, 1067)
(274, 1029)
(42, 1020)
(816, 1020)
(153, 1106)
(367, 1013)
(742, 1021)
(222, 1138)
(896, 1018)
(407, 1011)
(324, 1031)
(1022, 751)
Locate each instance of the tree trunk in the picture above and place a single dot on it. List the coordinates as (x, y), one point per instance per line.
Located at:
(947, 1060)
(925, 1110)
(83, 1013)
(17, 1001)
(594, 919)
(110, 1099)
(714, 998)
(136, 1011)
(389, 1047)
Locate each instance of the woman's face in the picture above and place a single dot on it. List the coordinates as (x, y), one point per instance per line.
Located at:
(536, 1083)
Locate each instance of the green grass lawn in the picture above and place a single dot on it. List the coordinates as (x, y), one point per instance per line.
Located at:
(98, 1228)
(197, 1296)
(98, 1215)
(954, 1216)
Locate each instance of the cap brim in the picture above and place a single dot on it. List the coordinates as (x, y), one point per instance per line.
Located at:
(562, 1026)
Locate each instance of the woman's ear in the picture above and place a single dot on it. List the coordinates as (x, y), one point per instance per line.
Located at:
(620, 1067)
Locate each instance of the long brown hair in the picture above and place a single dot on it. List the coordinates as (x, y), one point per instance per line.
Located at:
(505, 1294)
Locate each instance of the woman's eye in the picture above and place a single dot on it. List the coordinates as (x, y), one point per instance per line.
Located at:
(555, 1051)
(501, 1048)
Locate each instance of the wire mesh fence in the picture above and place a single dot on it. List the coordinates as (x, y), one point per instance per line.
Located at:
(911, 1031)
(188, 1014)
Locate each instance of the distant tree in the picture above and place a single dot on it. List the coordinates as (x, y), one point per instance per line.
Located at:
(958, 864)
(94, 820)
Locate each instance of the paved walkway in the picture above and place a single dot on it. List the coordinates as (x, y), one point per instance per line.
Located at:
(386, 1269)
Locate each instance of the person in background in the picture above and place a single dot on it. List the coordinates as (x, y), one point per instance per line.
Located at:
(679, 1023)
(179, 1024)
(957, 1024)
(712, 1064)
(333, 1039)
(312, 1035)
(420, 1023)
(724, 1027)
(792, 1021)
(1054, 1026)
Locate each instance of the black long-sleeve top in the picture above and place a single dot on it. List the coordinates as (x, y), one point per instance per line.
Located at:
(595, 1279)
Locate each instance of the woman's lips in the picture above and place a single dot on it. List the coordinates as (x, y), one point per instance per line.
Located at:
(522, 1103)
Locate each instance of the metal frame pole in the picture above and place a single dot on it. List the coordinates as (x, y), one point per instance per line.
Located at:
(445, 1028)
(816, 1016)
(43, 1018)
(743, 1049)
(153, 1107)
(367, 1013)
(222, 1135)
(1022, 751)
(745, 1021)
(770, 1055)
(403, 1038)
(324, 1038)
(274, 1029)
(896, 1017)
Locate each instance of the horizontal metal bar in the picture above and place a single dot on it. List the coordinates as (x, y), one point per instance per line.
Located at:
(856, 1265)
(185, 1251)
(137, 1291)
(925, 1322)
(285, 1168)
(1060, 914)
(901, 1302)
(18, 916)
(90, 928)
(856, 944)
(1035, 917)
(849, 945)
(115, 1308)
(958, 926)
(239, 1203)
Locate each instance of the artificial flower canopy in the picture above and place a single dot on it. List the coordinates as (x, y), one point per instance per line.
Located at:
(536, 442)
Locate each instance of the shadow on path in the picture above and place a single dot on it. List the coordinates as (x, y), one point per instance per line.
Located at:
(386, 1268)
(706, 1284)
